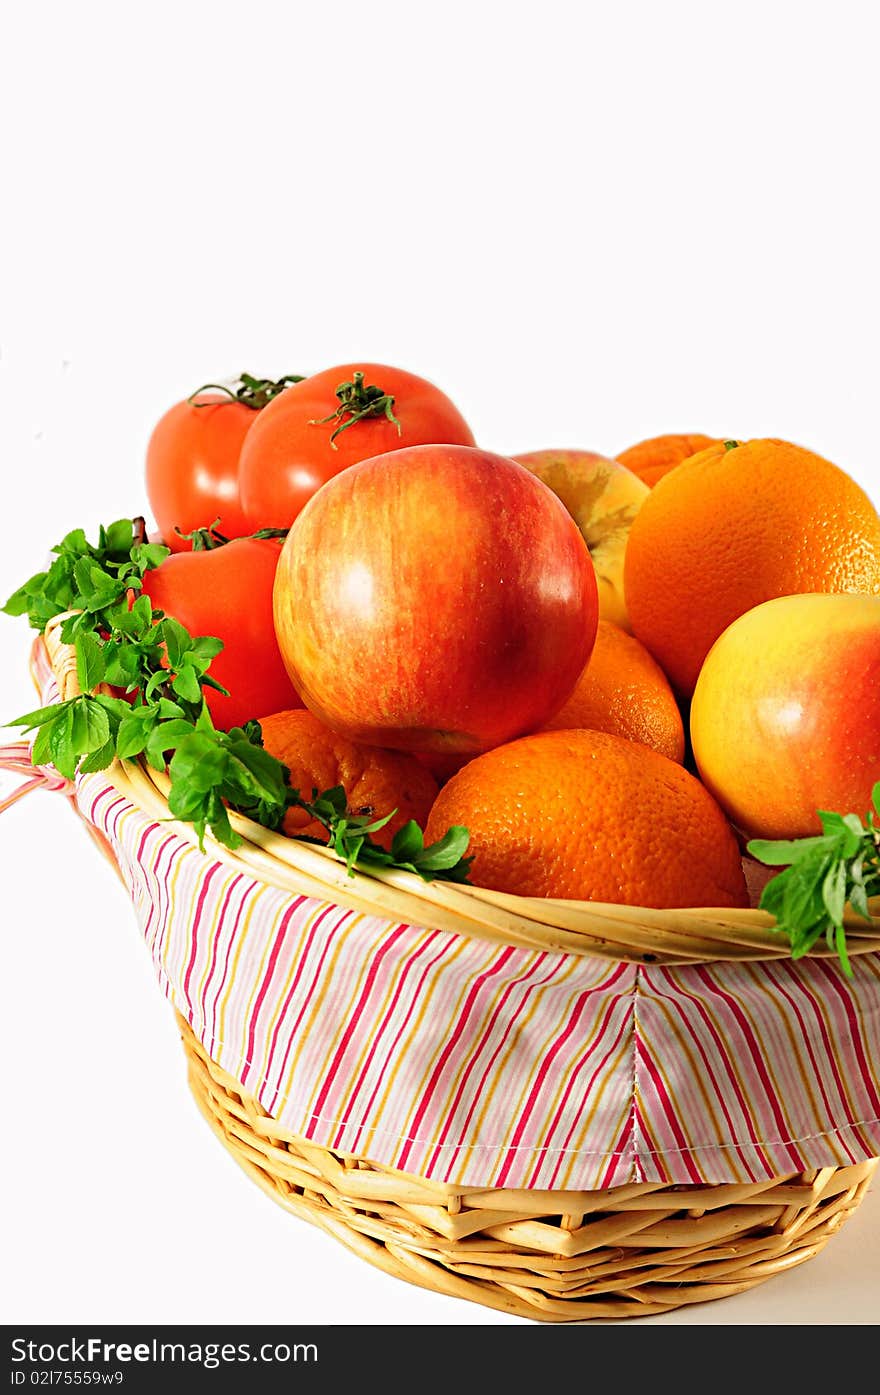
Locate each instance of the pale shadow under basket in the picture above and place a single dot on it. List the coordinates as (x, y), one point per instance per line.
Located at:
(559, 1256)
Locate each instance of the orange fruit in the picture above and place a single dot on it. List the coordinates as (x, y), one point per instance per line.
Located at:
(624, 691)
(589, 816)
(376, 782)
(733, 527)
(654, 458)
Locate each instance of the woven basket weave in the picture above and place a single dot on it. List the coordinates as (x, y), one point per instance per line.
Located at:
(552, 1255)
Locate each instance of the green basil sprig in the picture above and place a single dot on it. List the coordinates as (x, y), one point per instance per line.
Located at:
(121, 641)
(823, 875)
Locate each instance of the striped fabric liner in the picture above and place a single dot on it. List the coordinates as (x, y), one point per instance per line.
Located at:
(468, 1063)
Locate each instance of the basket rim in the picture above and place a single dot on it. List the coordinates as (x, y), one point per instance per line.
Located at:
(632, 934)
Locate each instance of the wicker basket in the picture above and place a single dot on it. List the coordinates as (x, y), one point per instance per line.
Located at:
(558, 1256)
(553, 1255)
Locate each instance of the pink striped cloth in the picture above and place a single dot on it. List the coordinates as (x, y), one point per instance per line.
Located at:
(460, 1061)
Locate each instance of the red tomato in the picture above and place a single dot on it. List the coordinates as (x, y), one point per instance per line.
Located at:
(227, 592)
(438, 599)
(308, 434)
(192, 468)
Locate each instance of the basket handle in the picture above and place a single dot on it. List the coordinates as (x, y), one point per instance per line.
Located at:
(15, 759)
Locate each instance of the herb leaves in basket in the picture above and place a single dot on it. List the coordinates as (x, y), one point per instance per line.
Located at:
(123, 642)
(822, 876)
(350, 839)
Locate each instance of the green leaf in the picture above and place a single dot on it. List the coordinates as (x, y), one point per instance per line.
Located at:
(202, 650)
(221, 828)
(74, 543)
(858, 893)
(122, 664)
(134, 620)
(333, 801)
(834, 891)
(89, 726)
(773, 895)
(218, 821)
(92, 580)
(134, 731)
(209, 682)
(186, 684)
(855, 826)
(90, 663)
(98, 760)
(156, 681)
(19, 601)
(364, 824)
(803, 897)
(168, 709)
(805, 941)
(61, 576)
(781, 853)
(847, 829)
(446, 852)
(41, 750)
(119, 536)
(165, 737)
(116, 707)
(459, 873)
(824, 875)
(840, 946)
(408, 844)
(62, 751)
(351, 851)
(176, 638)
(203, 720)
(201, 762)
(350, 838)
(185, 802)
(256, 772)
(52, 589)
(147, 556)
(41, 715)
(81, 622)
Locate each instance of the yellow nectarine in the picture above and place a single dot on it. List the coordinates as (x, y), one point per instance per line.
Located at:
(785, 717)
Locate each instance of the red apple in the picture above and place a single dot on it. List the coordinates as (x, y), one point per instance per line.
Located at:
(437, 599)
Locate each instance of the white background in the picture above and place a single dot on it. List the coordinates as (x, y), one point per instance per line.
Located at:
(588, 224)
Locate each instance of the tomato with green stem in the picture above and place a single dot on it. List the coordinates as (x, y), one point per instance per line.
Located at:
(318, 427)
(193, 457)
(226, 591)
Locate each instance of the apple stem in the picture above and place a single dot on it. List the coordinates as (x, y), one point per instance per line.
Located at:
(358, 402)
(252, 392)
